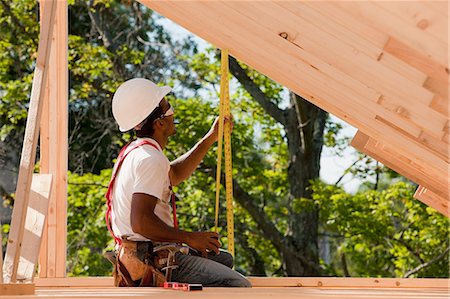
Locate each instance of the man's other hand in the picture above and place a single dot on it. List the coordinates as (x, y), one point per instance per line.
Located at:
(204, 242)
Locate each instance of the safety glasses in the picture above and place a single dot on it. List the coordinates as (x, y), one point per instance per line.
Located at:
(168, 112)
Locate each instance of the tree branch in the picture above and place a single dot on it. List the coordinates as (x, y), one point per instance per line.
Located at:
(96, 22)
(272, 109)
(258, 215)
(427, 264)
(346, 171)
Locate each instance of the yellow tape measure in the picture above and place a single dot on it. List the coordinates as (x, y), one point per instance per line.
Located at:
(225, 133)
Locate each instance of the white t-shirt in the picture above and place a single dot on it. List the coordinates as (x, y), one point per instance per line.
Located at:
(144, 170)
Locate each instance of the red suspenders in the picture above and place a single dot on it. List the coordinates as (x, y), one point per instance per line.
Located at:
(108, 194)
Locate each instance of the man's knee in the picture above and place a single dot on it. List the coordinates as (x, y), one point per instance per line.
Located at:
(227, 258)
(224, 258)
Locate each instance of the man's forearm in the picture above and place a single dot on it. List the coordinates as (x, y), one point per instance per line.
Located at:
(159, 231)
(185, 165)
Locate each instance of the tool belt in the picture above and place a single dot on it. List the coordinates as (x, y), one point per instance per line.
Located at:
(137, 265)
(140, 264)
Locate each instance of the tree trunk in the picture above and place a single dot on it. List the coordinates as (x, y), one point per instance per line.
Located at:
(304, 131)
(304, 125)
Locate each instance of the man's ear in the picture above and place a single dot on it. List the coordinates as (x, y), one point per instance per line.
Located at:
(159, 122)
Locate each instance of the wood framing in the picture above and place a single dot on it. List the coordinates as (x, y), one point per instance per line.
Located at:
(54, 147)
(240, 293)
(380, 66)
(19, 289)
(34, 225)
(433, 200)
(390, 157)
(28, 156)
(334, 282)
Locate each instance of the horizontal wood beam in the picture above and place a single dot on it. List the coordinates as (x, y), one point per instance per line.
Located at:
(16, 289)
(334, 282)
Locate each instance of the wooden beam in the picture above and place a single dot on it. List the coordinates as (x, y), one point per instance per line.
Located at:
(433, 200)
(438, 183)
(54, 147)
(343, 282)
(325, 85)
(16, 289)
(34, 225)
(419, 14)
(28, 156)
(386, 22)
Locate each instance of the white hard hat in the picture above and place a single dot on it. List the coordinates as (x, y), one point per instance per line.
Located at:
(134, 100)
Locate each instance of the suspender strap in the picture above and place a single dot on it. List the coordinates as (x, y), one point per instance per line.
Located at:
(123, 153)
(173, 199)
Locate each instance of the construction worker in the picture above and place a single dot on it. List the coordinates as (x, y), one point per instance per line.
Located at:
(140, 197)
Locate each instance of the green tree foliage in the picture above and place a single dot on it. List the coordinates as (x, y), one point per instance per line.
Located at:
(383, 233)
(86, 233)
(17, 57)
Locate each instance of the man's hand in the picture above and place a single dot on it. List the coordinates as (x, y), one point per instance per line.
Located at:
(204, 242)
(214, 131)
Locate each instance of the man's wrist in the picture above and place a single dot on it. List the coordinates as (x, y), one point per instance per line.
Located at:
(183, 236)
(210, 138)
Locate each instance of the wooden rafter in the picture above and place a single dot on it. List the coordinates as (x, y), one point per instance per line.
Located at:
(380, 66)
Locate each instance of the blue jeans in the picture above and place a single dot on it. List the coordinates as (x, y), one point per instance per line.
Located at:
(214, 271)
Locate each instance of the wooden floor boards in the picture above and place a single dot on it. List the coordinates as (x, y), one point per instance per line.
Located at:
(237, 293)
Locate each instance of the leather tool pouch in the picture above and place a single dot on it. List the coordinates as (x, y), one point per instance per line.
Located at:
(137, 266)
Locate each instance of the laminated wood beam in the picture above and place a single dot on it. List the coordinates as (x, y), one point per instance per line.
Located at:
(433, 200)
(440, 104)
(419, 14)
(385, 22)
(300, 31)
(439, 182)
(344, 50)
(343, 93)
(54, 147)
(353, 113)
(439, 88)
(372, 36)
(417, 59)
(307, 75)
(28, 156)
(440, 7)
